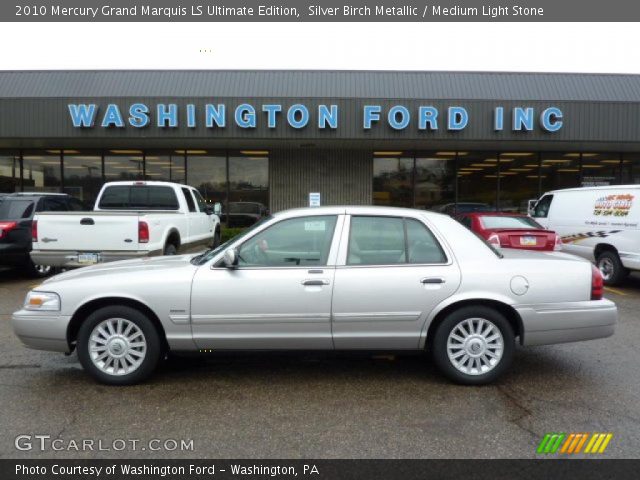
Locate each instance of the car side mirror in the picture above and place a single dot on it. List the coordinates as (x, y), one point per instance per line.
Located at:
(217, 208)
(230, 258)
(208, 209)
(531, 205)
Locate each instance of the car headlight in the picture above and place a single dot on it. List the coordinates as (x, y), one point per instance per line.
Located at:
(42, 301)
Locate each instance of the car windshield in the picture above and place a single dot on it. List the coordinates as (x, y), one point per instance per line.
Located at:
(204, 257)
(505, 221)
(14, 209)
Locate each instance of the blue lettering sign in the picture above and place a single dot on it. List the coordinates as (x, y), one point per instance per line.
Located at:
(498, 119)
(191, 115)
(245, 116)
(551, 119)
(271, 114)
(328, 116)
(112, 117)
(167, 115)
(138, 115)
(298, 116)
(523, 118)
(215, 115)
(398, 117)
(428, 116)
(457, 118)
(371, 114)
(82, 115)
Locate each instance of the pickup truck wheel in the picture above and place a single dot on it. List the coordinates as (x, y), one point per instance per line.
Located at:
(611, 268)
(119, 346)
(473, 345)
(170, 249)
(217, 237)
(39, 271)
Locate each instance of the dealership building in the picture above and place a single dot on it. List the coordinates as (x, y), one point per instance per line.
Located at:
(411, 139)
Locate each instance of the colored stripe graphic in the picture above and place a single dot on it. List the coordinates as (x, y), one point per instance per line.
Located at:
(573, 443)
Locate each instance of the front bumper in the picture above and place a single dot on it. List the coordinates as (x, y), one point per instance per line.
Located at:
(67, 259)
(41, 331)
(551, 323)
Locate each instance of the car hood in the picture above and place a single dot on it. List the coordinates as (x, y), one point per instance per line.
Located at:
(514, 253)
(126, 266)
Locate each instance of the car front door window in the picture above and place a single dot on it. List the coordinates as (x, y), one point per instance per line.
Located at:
(302, 241)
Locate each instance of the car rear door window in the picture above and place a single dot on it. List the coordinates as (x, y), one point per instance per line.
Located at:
(189, 199)
(391, 241)
(303, 241)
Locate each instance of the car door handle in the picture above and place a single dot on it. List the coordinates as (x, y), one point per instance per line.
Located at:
(432, 280)
(316, 282)
(87, 221)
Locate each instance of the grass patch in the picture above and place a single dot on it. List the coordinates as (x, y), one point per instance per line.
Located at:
(229, 233)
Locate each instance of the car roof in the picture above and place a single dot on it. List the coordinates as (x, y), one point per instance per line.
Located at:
(603, 187)
(492, 214)
(37, 194)
(359, 210)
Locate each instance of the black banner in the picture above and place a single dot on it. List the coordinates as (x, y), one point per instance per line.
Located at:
(318, 469)
(318, 11)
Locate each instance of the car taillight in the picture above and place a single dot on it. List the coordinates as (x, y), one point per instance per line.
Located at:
(143, 232)
(34, 231)
(494, 240)
(597, 284)
(6, 227)
(558, 244)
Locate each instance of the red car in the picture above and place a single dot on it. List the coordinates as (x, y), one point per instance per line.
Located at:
(511, 230)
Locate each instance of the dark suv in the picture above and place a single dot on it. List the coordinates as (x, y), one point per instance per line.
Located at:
(16, 215)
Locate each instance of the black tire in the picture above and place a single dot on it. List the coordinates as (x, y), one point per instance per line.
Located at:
(609, 264)
(450, 323)
(153, 353)
(39, 271)
(170, 249)
(217, 238)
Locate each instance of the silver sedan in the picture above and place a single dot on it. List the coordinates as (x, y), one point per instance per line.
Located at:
(329, 278)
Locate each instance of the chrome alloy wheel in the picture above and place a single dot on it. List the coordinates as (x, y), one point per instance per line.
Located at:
(607, 268)
(475, 346)
(117, 346)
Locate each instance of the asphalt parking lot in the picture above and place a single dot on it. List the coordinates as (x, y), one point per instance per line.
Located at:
(322, 406)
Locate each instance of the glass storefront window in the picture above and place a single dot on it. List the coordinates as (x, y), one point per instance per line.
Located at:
(478, 180)
(559, 170)
(83, 175)
(164, 166)
(519, 178)
(9, 172)
(207, 171)
(249, 178)
(600, 169)
(123, 165)
(393, 180)
(434, 180)
(41, 171)
(630, 169)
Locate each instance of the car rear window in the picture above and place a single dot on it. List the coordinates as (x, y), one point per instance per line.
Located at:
(491, 222)
(14, 209)
(135, 197)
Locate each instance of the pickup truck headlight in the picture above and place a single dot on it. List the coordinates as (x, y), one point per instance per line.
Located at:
(42, 301)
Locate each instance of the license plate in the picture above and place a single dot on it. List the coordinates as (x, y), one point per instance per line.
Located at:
(88, 258)
(528, 241)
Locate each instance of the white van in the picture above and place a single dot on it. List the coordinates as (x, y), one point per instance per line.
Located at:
(598, 223)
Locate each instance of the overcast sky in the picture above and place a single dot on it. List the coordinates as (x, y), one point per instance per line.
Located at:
(547, 47)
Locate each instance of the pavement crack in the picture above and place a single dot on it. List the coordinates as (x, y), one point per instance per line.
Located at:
(522, 411)
(70, 423)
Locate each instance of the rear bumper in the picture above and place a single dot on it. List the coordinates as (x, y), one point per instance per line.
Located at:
(68, 259)
(547, 324)
(41, 332)
(12, 255)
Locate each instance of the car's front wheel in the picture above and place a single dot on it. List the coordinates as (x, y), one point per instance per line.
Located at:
(611, 268)
(473, 345)
(119, 345)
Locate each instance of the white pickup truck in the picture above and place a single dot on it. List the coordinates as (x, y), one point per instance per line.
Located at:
(130, 220)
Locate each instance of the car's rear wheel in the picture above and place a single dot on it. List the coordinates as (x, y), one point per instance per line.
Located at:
(473, 345)
(170, 249)
(611, 268)
(217, 238)
(119, 345)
